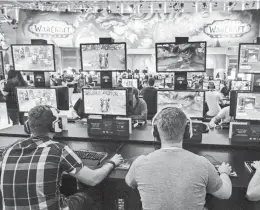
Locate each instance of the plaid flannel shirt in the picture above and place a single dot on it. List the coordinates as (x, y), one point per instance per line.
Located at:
(31, 172)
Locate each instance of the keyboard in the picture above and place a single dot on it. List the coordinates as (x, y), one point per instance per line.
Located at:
(249, 166)
(91, 158)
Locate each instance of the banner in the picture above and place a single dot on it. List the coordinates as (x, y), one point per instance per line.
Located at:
(219, 29)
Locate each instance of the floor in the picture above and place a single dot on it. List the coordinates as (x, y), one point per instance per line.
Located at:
(3, 112)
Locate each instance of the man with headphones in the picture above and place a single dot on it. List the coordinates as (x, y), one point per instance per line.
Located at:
(32, 168)
(174, 178)
(139, 107)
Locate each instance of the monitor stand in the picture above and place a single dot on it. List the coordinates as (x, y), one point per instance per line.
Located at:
(41, 79)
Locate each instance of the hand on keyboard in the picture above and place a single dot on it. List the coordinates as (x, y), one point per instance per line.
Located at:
(256, 165)
(225, 168)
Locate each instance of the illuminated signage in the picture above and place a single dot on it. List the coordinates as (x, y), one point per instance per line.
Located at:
(53, 28)
(227, 28)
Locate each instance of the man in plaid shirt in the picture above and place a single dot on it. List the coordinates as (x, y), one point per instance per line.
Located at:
(32, 168)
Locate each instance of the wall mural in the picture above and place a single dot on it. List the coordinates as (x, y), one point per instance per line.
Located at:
(219, 29)
(140, 31)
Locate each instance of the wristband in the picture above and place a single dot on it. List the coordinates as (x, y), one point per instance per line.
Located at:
(112, 162)
(224, 173)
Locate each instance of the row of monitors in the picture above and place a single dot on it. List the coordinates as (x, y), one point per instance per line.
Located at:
(235, 85)
(170, 57)
(115, 102)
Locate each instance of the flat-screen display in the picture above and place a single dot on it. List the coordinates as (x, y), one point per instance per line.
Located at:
(207, 82)
(240, 85)
(172, 57)
(130, 83)
(33, 57)
(249, 58)
(103, 57)
(30, 97)
(105, 101)
(248, 106)
(191, 102)
(2, 72)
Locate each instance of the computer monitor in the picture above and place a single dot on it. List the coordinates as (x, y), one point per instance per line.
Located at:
(103, 57)
(30, 97)
(130, 83)
(2, 72)
(207, 82)
(27, 57)
(249, 58)
(241, 85)
(105, 101)
(188, 57)
(191, 102)
(248, 106)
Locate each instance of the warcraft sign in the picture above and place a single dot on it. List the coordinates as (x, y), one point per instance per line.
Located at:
(227, 29)
(53, 28)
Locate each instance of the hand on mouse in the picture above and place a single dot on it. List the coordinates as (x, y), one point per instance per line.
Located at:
(117, 159)
(225, 168)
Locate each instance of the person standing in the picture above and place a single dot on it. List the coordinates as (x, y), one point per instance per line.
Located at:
(15, 79)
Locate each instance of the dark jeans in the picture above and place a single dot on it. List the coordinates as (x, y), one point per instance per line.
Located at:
(78, 201)
(15, 116)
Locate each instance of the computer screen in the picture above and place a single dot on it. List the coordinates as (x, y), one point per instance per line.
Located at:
(130, 83)
(28, 57)
(105, 101)
(173, 57)
(103, 57)
(249, 58)
(207, 82)
(248, 106)
(2, 73)
(191, 102)
(30, 97)
(240, 85)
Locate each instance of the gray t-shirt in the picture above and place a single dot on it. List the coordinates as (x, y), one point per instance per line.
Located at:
(170, 179)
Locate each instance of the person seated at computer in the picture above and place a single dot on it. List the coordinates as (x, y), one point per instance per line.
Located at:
(253, 190)
(213, 99)
(172, 177)
(150, 96)
(37, 164)
(139, 107)
(225, 90)
(221, 118)
(119, 83)
(14, 80)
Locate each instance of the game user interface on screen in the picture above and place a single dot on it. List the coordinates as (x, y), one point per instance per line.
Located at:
(105, 102)
(172, 57)
(130, 83)
(33, 57)
(249, 58)
(206, 84)
(103, 57)
(248, 106)
(29, 98)
(192, 103)
(240, 85)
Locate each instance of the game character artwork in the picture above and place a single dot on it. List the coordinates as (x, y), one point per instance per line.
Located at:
(29, 98)
(33, 58)
(181, 57)
(190, 102)
(105, 102)
(101, 57)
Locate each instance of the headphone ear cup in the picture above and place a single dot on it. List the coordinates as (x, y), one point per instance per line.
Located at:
(27, 127)
(156, 133)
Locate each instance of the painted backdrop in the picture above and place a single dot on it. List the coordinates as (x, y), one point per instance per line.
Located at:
(219, 29)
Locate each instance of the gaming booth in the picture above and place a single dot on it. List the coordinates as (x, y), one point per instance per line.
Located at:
(109, 128)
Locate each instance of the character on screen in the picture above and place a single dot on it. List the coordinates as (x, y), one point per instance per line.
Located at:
(105, 104)
(34, 59)
(189, 55)
(21, 53)
(103, 60)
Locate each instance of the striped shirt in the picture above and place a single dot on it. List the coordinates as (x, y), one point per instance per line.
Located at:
(31, 173)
